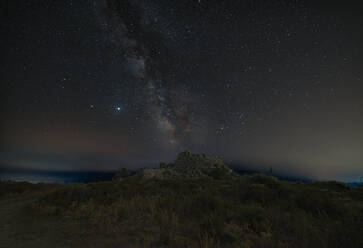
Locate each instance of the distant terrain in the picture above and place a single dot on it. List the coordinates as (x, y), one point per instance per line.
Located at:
(176, 208)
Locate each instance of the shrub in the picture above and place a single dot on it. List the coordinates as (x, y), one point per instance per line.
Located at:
(121, 174)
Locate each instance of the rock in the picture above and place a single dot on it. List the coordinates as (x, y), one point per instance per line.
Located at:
(188, 165)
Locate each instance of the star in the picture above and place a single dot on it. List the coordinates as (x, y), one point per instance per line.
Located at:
(167, 71)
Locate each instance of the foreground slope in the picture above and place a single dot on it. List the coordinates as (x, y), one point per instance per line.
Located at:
(249, 211)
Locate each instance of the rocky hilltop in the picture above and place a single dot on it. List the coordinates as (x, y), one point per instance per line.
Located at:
(188, 165)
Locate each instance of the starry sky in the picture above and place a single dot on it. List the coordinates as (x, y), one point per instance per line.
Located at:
(101, 84)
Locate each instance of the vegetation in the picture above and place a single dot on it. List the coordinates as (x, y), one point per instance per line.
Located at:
(121, 174)
(249, 211)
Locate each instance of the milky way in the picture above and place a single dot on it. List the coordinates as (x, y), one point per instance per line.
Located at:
(103, 84)
(127, 22)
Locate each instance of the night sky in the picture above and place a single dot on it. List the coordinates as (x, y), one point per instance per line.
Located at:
(101, 84)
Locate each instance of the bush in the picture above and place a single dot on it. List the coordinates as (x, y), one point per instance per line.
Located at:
(121, 174)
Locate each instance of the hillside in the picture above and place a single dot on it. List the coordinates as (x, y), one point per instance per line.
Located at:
(249, 211)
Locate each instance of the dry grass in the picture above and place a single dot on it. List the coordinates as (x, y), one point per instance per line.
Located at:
(258, 211)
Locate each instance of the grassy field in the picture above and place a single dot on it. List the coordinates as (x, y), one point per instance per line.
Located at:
(250, 211)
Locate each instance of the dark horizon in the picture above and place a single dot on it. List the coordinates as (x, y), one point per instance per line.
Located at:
(95, 85)
(74, 176)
